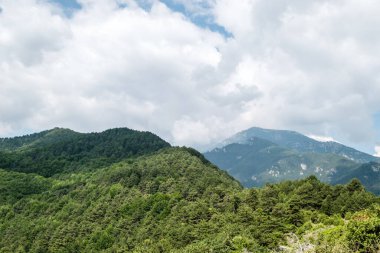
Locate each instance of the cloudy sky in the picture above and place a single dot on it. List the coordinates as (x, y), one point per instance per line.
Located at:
(192, 71)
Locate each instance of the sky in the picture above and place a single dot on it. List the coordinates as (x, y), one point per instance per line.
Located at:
(192, 71)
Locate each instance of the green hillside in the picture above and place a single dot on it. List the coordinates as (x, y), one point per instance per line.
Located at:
(174, 200)
(46, 137)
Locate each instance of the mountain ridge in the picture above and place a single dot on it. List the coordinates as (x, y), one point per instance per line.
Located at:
(295, 140)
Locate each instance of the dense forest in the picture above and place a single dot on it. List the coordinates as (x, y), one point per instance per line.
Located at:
(128, 191)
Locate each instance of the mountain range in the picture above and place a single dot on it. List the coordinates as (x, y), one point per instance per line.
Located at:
(257, 156)
(123, 190)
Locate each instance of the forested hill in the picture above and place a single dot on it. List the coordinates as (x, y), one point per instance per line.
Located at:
(58, 150)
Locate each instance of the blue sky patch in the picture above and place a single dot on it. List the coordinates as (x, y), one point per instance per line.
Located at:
(68, 6)
(376, 122)
(145, 4)
(201, 20)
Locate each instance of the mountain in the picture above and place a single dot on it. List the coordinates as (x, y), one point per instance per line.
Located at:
(127, 191)
(257, 156)
(260, 161)
(57, 150)
(299, 142)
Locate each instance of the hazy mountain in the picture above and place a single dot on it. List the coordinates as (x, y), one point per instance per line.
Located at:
(299, 142)
(257, 156)
(259, 161)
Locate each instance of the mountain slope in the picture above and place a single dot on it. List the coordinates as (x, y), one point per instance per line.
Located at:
(58, 150)
(299, 142)
(368, 174)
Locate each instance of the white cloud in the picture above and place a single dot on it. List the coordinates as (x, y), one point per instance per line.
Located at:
(313, 62)
(28, 41)
(322, 138)
(111, 67)
(186, 131)
(311, 66)
(377, 151)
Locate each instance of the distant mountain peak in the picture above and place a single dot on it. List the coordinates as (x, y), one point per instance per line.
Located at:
(256, 156)
(299, 142)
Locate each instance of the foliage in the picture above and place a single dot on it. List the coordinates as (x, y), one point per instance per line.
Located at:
(358, 232)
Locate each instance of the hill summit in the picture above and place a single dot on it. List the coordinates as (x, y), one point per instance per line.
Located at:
(57, 150)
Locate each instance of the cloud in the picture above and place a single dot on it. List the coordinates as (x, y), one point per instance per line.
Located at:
(322, 138)
(189, 132)
(377, 151)
(313, 62)
(27, 44)
(108, 67)
(311, 66)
